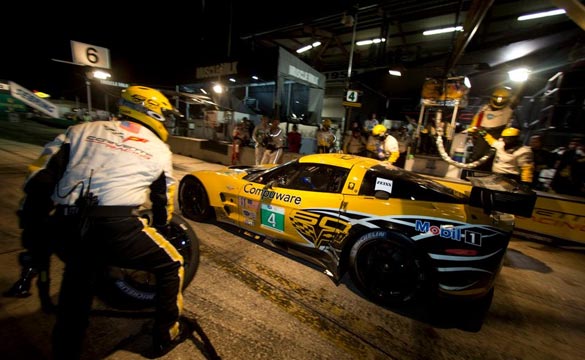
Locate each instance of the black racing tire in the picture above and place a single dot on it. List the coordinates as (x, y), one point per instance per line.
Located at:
(123, 288)
(386, 267)
(194, 201)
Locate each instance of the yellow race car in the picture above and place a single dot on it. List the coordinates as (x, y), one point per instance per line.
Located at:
(399, 234)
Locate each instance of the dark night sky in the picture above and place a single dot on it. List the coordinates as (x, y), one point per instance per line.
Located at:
(158, 44)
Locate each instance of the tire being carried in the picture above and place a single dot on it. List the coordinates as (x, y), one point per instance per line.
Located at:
(124, 288)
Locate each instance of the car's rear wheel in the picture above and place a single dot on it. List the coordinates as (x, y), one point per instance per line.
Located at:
(193, 200)
(387, 269)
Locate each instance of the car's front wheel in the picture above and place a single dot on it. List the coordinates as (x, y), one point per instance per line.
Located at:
(193, 200)
(387, 269)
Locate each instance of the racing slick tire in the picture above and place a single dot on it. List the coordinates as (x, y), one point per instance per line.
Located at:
(386, 267)
(193, 200)
(124, 288)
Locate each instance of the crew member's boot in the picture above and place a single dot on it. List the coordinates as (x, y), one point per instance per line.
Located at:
(21, 287)
(44, 284)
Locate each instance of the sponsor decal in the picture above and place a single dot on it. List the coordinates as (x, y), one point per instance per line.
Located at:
(319, 229)
(448, 232)
(272, 195)
(249, 214)
(248, 203)
(384, 185)
(558, 219)
(119, 146)
(249, 222)
(351, 185)
(135, 138)
(272, 217)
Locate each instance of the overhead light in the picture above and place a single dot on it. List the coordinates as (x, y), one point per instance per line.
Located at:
(203, 90)
(254, 77)
(217, 88)
(232, 79)
(308, 47)
(443, 30)
(541, 14)
(304, 48)
(370, 41)
(467, 82)
(519, 75)
(394, 72)
(99, 74)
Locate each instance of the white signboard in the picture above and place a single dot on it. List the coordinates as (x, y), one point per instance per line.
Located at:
(90, 55)
(351, 96)
(29, 98)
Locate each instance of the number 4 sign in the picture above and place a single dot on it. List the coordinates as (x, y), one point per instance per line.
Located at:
(351, 96)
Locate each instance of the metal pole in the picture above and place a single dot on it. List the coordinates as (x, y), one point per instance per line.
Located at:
(88, 84)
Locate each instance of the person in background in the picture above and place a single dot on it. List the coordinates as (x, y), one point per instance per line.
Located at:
(274, 144)
(294, 140)
(512, 158)
(240, 138)
(259, 136)
(403, 145)
(493, 118)
(569, 178)
(325, 137)
(89, 193)
(543, 160)
(355, 143)
(370, 123)
(382, 145)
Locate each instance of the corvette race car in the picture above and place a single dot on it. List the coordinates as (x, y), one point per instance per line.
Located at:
(399, 234)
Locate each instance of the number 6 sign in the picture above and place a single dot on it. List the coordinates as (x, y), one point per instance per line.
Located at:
(86, 54)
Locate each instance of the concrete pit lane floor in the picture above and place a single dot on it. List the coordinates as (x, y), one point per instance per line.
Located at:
(250, 302)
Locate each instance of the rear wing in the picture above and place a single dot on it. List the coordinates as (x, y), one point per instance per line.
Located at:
(500, 193)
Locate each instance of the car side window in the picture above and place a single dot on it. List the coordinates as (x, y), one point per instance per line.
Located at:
(376, 181)
(319, 178)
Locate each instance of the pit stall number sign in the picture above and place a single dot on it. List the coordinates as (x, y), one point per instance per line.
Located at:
(351, 98)
(90, 55)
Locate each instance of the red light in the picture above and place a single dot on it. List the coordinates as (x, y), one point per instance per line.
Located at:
(465, 252)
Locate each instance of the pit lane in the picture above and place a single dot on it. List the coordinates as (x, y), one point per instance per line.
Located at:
(251, 302)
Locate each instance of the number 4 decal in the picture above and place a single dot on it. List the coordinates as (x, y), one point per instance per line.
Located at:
(272, 217)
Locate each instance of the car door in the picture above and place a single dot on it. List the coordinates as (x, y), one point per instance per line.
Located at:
(298, 203)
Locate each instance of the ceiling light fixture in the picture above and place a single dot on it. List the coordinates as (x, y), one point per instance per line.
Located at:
(541, 14)
(394, 73)
(370, 41)
(443, 30)
(308, 47)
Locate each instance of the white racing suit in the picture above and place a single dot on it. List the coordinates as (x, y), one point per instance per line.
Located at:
(121, 163)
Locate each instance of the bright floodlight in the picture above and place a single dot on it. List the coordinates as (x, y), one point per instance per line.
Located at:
(519, 75)
(99, 74)
(217, 88)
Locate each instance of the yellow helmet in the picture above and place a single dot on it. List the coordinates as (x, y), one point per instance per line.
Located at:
(149, 107)
(327, 122)
(500, 98)
(510, 132)
(379, 130)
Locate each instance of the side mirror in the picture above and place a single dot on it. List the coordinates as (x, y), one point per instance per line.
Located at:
(382, 195)
(271, 183)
